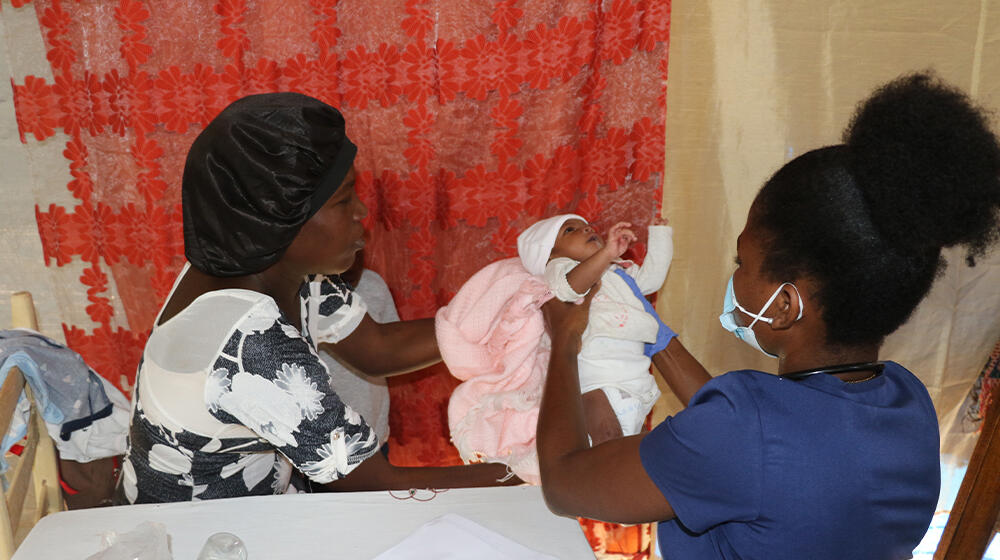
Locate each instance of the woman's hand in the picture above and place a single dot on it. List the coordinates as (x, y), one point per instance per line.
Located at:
(567, 321)
(616, 485)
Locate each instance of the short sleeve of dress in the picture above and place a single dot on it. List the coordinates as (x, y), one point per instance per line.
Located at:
(331, 309)
(555, 276)
(269, 379)
(707, 460)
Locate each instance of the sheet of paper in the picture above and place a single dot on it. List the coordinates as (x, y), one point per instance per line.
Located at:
(454, 537)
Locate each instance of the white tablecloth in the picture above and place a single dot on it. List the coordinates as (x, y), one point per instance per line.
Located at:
(350, 526)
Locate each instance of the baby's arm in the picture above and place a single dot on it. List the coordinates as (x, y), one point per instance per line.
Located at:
(588, 272)
(659, 252)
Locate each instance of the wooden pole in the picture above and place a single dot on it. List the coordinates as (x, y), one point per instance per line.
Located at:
(977, 507)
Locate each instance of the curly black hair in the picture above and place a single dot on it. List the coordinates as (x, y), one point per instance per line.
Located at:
(866, 220)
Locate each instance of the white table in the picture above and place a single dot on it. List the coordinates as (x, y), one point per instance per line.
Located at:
(351, 526)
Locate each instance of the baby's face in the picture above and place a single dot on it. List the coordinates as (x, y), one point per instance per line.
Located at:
(576, 240)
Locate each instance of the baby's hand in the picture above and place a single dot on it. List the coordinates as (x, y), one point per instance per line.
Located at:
(619, 238)
(659, 220)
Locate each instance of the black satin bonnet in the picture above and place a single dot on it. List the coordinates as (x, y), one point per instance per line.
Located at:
(255, 175)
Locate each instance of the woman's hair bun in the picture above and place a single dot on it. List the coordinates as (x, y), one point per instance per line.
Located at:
(927, 164)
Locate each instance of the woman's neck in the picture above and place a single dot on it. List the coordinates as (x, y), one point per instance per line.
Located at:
(283, 286)
(279, 284)
(829, 356)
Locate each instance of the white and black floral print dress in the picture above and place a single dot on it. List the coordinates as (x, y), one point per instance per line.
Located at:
(230, 396)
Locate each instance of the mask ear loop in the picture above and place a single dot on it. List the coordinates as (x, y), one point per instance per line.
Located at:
(760, 316)
(802, 306)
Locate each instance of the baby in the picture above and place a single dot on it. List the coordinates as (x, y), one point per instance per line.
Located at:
(624, 330)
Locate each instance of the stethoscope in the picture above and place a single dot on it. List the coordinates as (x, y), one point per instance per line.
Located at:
(877, 367)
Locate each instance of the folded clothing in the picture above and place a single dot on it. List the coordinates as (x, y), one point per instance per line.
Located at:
(84, 413)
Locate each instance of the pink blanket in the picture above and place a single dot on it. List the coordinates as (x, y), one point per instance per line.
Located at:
(492, 336)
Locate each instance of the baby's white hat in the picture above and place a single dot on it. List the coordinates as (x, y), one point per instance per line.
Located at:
(534, 245)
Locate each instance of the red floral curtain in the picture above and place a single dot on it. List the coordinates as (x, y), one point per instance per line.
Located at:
(472, 119)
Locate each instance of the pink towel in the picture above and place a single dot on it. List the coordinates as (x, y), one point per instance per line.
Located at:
(492, 336)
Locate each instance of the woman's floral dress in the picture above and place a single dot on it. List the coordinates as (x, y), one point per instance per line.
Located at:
(230, 397)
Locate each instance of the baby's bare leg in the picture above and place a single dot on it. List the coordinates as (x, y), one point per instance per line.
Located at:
(602, 424)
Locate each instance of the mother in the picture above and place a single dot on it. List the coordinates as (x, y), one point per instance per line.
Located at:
(230, 395)
(837, 455)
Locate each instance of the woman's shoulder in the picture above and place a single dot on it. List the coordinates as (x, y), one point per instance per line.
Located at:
(249, 298)
(324, 294)
(330, 283)
(894, 388)
(749, 387)
(738, 388)
(901, 373)
(223, 307)
(904, 377)
(192, 338)
(740, 380)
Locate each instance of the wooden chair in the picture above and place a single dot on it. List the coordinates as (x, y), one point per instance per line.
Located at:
(973, 518)
(37, 464)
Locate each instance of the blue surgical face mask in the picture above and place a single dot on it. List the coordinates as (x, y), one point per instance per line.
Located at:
(746, 334)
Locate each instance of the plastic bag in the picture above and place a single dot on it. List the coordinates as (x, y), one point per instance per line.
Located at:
(223, 546)
(148, 541)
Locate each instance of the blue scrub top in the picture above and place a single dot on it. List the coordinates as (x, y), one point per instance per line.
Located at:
(763, 467)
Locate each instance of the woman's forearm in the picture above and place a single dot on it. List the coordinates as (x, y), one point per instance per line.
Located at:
(606, 482)
(680, 370)
(406, 346)
(561, 426)
(382, 349)
(460, 476)
(376, 473)
(561, 423)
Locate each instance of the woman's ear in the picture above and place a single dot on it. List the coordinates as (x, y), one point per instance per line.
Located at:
(786, 307)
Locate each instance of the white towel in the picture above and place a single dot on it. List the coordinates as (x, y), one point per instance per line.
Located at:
(453, 537)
